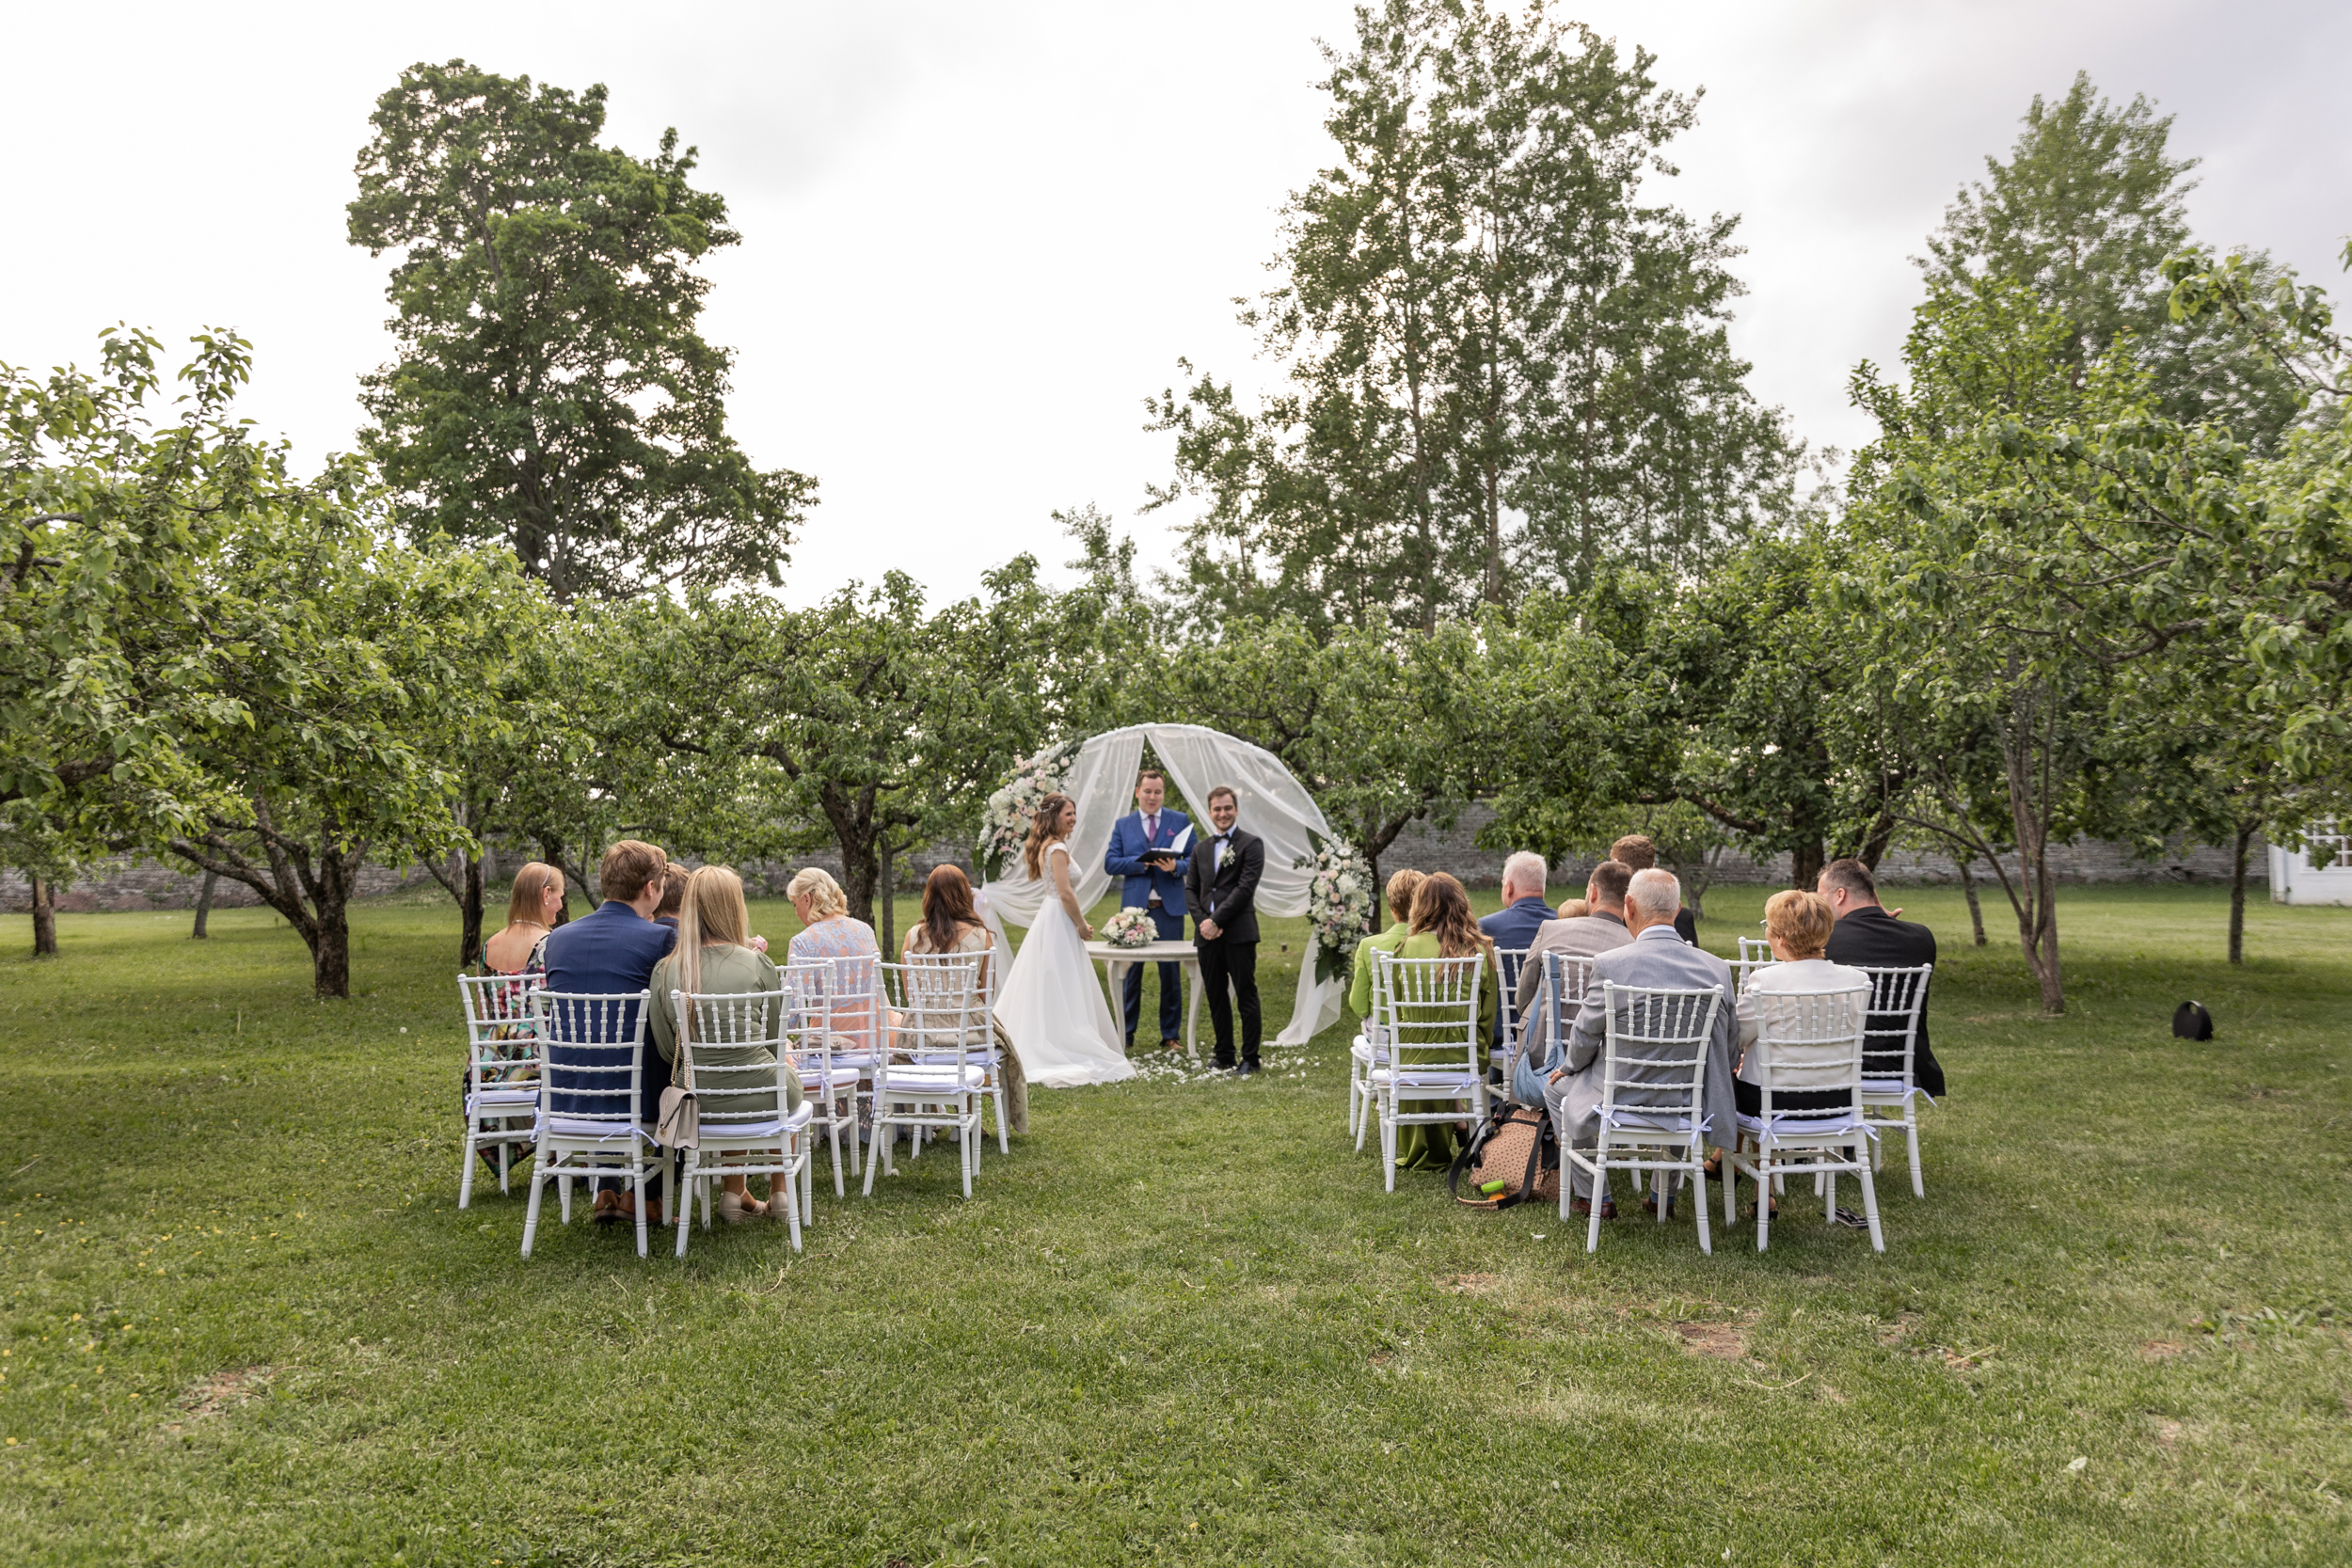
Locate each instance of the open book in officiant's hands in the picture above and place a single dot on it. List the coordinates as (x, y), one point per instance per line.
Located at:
(1174, 853)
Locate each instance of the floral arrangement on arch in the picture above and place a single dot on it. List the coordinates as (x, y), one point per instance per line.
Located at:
(1131, 928)
(1005, 821)
(1339, 902)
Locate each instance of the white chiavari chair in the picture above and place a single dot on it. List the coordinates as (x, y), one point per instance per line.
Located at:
(590, 1083)
(1806, 1065)
(502, 1101)
(941, 1094)
(1436, 1051)
(734, 1050)
(1890, 1049)
(1653, 1097)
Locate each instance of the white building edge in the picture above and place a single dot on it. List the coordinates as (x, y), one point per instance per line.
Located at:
(2294, 879)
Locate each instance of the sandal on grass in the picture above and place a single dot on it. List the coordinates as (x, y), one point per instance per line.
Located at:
(607, 1208)
(1582, 1207)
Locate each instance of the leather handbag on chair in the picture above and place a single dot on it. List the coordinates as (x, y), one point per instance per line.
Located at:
(682, 1122)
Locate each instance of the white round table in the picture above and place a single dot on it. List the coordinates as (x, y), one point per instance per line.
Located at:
(1116, 960)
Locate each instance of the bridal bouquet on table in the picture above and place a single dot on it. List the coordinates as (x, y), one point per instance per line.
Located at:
(1339, 902)
(1005, 821)
(1130, 929)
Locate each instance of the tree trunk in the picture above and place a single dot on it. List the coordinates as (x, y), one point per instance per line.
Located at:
(1874, 843)
(1975, 911)
(1804, 864)
(889, 900)
(331, 950)
(205, 906)
(44, 918)
(2237, 891)
(470, 907)
(861, 871)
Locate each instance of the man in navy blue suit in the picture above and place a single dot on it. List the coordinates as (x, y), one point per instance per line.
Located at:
(1142, 851)
(611, 952)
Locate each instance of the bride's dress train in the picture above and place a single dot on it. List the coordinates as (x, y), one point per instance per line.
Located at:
(1053, 1010)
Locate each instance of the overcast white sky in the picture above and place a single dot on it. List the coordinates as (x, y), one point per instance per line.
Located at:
(976, 237)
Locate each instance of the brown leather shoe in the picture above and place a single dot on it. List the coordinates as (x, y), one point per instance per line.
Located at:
(1172, 1043)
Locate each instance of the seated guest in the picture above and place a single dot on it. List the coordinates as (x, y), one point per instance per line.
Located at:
(1523, 909)
(714, 958)
(611, 951)
(531, 911)
(1443, 927)
(1656, 959)
(1797, 927)
(1638, 851)
(830, 933)
(1867, 936)
(1523, 912)
(950, 925)
(1402, 885)
(1577, 937)
(674, 879)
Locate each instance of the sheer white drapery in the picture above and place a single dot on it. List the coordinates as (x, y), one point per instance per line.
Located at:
(1273, 805)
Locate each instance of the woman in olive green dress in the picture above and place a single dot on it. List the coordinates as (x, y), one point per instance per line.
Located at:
(714, 958)
(1443, 927)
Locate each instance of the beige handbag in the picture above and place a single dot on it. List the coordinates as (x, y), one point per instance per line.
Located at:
(682, 1122)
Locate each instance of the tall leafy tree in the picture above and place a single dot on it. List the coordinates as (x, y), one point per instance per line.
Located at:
(1501, 363)
(356, 666)
(552, 391)
(2085, 212)
(2043, 553)
(866, 722)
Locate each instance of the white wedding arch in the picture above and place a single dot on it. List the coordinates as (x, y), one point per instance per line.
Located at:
(1101, 779)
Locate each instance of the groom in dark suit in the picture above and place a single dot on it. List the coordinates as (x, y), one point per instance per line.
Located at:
(1142, 852)
(1221, 884)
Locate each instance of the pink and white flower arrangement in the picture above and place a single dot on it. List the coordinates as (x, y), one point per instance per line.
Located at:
(1005, 821)
(1130, 929)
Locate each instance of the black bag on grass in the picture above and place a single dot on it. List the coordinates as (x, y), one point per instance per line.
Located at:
(2192, 1022)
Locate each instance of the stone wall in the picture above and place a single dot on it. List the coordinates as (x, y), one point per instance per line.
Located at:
(1424, 848)
(133, 884)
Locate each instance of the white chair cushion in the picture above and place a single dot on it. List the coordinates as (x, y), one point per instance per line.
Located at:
(1891, 1091)
(1368, 1053)
(1426, 1081)
(1788, 1128)
(943, 1078)
(503, 1097)
(591, 1128)
(751, 1131)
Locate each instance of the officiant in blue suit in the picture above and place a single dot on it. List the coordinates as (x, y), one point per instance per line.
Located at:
(1144, 851)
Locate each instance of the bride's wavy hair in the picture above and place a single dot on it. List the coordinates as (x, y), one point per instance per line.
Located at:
(1046, 827)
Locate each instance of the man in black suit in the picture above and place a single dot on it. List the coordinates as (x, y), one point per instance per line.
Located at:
(1867, 936)
(1221, 888)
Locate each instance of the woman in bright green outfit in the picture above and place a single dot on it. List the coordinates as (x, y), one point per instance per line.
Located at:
(1401, 886)
(714, 958)
(1443, 927)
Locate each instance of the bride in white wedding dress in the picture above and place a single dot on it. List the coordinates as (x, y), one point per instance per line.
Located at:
(1052, 1010)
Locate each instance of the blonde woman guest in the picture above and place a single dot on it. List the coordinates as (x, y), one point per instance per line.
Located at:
(829, 932)
(950, 925)
(1797, 925)
(531, 911)
(1443, 927)
(1052, 1006)
(714, 958)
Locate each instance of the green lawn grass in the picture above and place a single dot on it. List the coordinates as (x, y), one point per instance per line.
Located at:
(245, 1323)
